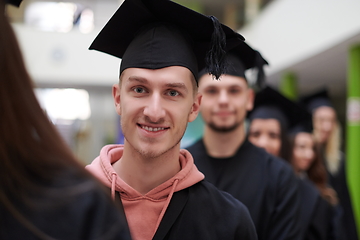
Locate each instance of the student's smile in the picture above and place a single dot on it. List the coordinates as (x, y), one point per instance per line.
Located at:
(152, 131)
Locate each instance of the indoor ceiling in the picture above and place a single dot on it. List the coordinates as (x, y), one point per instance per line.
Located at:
(328, 68)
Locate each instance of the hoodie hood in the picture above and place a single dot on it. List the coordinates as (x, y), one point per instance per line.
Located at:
(143, 212)
(102, 169)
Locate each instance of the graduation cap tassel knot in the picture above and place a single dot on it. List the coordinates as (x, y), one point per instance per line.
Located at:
(216, 55)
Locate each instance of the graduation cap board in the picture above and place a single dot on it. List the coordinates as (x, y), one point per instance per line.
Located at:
(269, 103)
(315, 100)
(241, 58)
(155, 34)
(16, 3)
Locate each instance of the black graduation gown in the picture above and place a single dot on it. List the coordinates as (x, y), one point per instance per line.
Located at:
(264, 183)
(87, 215)
(316, 213)
(339, 183)
(203, 212)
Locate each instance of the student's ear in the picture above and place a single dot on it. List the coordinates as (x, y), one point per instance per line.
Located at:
(195, 107)
(116, 96)
(251, 98)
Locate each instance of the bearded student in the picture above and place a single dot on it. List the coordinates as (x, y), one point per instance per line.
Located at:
(265, 184)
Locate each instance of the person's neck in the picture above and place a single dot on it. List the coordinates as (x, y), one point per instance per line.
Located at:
(144, 174)
(223, 144)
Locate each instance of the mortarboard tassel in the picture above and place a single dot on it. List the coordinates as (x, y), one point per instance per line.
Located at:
(216, 55)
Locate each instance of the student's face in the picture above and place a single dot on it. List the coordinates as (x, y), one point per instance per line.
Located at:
(303, 152)
(266, 133)
(225, 102)
(155, 107)
(324, 120)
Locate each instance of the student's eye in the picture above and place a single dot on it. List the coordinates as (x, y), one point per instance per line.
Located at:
(254, 134)
(173, 93)
(210, 91)
(139, 89)
(274, 136)
(234, 90)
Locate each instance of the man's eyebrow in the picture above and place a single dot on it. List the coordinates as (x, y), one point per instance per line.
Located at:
(177, 85)
(138, 79)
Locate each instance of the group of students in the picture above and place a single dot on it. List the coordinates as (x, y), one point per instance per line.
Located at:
(306, 134)
(175, 64)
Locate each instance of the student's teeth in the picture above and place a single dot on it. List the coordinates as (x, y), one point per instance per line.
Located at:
(151, 129)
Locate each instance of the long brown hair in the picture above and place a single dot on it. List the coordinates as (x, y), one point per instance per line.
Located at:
(31, 150)
(316, 172)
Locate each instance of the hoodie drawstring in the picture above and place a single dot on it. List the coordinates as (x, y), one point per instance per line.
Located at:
(113, 181)
(176, 181)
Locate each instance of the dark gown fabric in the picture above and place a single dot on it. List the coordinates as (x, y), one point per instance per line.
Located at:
(316, 214)
(264, 183)
(202, 212)
(339, 183)
(84, 212)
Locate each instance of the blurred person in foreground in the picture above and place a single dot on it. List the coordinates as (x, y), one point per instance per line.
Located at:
(265, 184)
(44, 191)
(162, 44)
(269, 123)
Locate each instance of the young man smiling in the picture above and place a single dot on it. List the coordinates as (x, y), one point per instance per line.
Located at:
(164, 196)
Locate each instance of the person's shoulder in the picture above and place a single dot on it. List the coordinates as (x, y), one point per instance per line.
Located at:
(208, 206)
(224, 207)
(95, 211)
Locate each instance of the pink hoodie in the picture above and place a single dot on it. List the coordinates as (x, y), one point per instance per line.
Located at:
(143, 212)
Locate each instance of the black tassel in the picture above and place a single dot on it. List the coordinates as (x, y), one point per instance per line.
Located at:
(216, 55)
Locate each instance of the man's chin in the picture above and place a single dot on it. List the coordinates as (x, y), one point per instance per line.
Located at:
(223, 129)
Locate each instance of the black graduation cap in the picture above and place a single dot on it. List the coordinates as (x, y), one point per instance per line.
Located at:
(16, 3)
(242, 58)
(304, 126)
(269, 103)
(155, 34)
(318, 99)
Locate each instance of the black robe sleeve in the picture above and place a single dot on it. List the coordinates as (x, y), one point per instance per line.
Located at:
(316, 214)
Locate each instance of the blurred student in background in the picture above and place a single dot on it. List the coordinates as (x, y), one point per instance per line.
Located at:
(45, 193)
(307, 162)
(265, 184)
(273, 115)
(327, 133)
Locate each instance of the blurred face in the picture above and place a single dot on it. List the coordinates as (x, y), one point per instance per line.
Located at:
(225, 102)
(266, 133)
(155, 107)
(324, 120)
(303, 152)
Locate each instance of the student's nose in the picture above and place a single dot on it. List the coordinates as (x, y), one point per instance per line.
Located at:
(327, 125)
(263, 141)
(309, 154)
(154, 109)
(223, 98)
